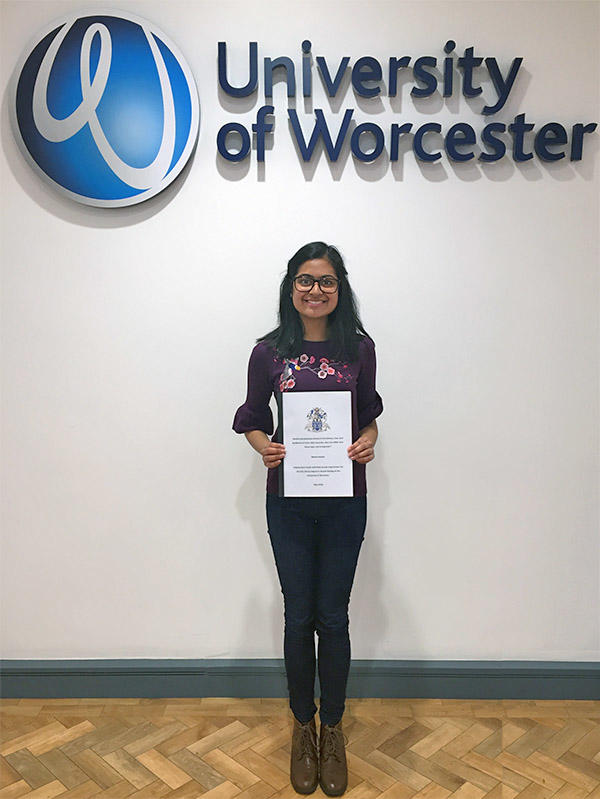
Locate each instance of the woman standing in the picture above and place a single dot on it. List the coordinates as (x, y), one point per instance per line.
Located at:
(319, 344)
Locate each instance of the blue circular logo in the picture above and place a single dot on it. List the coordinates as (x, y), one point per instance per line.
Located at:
(106, 109)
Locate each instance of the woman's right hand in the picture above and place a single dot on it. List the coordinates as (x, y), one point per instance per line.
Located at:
(273, 454)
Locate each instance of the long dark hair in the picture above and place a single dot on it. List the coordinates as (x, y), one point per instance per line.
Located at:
(343, 323)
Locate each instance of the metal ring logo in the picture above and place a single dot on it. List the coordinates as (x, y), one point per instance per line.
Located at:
(106, 109)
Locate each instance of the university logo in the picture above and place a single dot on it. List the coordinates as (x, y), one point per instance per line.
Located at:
(106, 109)
(317, 420)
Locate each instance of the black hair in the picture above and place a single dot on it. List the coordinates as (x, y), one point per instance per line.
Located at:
(344, 327)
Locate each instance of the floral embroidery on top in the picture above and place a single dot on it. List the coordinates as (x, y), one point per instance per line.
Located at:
(325, 368)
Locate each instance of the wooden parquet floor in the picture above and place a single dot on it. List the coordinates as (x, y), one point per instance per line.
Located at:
(221, 748)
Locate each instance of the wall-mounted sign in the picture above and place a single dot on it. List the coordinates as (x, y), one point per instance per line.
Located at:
(105, 108)
(552, 141)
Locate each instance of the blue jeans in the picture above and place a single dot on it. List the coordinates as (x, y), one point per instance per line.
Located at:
(316, 542)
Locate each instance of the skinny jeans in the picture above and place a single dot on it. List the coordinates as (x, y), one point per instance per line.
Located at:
(316, 542)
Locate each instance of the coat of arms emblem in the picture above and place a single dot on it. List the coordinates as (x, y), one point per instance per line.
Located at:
(316, 420)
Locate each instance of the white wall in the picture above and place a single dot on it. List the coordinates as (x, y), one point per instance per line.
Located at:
(133, 516)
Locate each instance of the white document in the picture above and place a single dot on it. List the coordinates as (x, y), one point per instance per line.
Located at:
(317, 431)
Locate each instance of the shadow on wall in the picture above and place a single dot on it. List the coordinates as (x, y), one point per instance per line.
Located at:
(64, 208)
(436, 171)
(389, 141)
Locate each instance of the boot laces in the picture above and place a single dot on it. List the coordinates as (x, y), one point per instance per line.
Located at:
(330, 747)
(307, 743)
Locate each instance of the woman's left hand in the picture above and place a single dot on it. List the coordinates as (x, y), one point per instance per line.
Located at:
(362, 451)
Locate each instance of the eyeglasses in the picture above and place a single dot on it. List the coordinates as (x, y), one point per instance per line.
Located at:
(327, 283)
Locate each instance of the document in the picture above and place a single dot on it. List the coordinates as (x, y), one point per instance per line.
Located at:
(316, 430)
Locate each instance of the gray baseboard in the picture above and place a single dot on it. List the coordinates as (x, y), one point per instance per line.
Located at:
(447, 679)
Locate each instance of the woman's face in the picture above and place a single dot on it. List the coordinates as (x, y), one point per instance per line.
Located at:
(314, 303)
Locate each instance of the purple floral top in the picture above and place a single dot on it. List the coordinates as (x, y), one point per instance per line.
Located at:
(313, 370)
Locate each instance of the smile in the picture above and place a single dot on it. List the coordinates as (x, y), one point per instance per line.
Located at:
(315, 302)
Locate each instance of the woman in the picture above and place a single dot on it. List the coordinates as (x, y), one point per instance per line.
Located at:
(319, 344)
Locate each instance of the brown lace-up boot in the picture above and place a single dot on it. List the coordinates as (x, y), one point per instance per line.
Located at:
(304, 763)
(333, 777)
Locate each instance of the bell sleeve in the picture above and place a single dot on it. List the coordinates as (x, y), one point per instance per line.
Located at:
(368, 402)
(255, 413)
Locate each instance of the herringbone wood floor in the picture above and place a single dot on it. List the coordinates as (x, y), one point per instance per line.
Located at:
(223, 748)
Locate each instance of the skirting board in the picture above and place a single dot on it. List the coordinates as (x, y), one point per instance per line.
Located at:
(153, 678)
